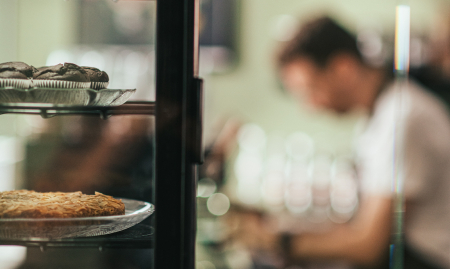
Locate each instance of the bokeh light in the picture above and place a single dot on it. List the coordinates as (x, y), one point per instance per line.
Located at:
(205, 265)
(218, 204)
(206, 187)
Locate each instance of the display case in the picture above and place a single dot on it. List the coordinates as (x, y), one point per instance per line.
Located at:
(177, 138)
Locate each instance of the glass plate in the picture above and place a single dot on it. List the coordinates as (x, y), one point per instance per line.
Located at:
(135, 212)
(78, 97)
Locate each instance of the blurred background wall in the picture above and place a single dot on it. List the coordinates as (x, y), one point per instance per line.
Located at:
(249, 89)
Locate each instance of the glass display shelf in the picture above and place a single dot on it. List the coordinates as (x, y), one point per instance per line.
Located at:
(51, 110)
(138, 236)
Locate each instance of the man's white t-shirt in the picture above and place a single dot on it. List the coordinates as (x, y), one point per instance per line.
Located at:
(422, 124)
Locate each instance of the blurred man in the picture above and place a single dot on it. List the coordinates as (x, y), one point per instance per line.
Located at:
(323, 64)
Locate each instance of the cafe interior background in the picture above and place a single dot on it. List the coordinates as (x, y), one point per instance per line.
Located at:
(255, 132)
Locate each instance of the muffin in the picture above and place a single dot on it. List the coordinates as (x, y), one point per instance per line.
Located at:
(16, 74)
(99, 79)
(65, 75)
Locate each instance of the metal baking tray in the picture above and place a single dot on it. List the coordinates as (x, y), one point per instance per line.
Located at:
(76, 97)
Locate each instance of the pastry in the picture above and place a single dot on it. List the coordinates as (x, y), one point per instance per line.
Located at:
(67, 75)
(16, 70)
(16, 75)
(66, 71)
(99, 79)
(31, 204)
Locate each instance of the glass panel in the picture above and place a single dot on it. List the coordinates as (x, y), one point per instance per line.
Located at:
(117, 37)
(113, 156)
(81, 153)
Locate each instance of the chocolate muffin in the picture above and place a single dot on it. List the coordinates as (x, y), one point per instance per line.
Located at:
(95, 74)
(16, 70)
(66, 72)
(99, 79)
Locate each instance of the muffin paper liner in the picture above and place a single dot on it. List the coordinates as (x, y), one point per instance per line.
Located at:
(15, 83)
(99, 85)
(45, 83)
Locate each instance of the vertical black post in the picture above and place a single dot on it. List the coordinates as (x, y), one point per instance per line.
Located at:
(176, 107)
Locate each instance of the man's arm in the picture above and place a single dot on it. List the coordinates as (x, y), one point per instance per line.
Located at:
(362, 241)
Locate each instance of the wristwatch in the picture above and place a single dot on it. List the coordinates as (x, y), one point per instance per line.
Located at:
(285, 243)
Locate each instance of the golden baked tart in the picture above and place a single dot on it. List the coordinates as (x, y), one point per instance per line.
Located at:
(31, 204)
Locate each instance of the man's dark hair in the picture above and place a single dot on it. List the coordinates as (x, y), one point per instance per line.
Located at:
(319, 40)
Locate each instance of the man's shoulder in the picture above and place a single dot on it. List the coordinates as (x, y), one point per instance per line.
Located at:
(425, 106)
(426, 120)
(421, 115)
(414, 101)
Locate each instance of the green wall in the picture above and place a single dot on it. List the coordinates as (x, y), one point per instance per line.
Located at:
(44, 25)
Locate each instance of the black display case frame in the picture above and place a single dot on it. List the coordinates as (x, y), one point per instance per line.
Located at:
(178, 132)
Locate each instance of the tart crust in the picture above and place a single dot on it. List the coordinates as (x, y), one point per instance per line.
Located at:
(31, 204)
